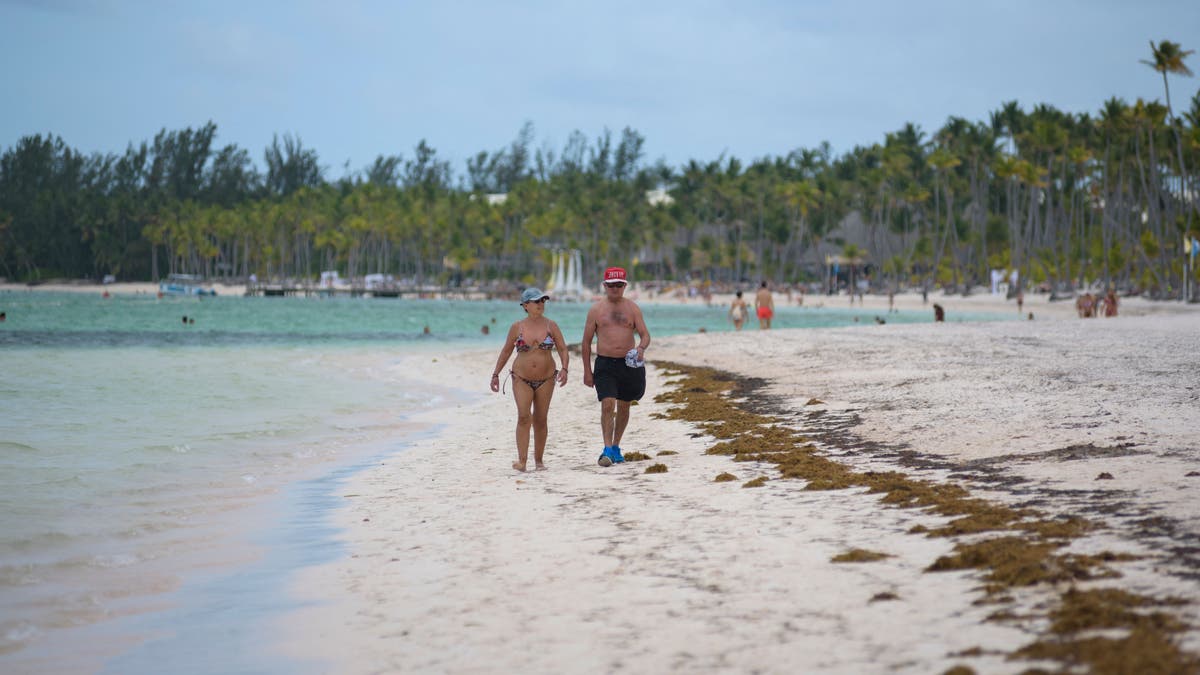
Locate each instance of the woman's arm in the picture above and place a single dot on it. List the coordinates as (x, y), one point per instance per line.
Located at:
(505, 352)
(563, 354)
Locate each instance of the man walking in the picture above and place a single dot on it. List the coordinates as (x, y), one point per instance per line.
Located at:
(619, 373)
(765, 306)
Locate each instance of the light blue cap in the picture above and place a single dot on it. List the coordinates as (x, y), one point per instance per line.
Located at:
(530, 294)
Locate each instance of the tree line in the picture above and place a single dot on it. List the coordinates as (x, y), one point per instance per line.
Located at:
(1062, 197)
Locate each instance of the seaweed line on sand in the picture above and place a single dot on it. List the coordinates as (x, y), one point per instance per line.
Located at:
(1012, 549)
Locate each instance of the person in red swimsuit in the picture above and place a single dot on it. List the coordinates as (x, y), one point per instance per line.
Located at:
(766, 306)
(533, 338)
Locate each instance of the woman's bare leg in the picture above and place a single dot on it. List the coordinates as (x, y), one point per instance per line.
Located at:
(523, 394)
(541, 413)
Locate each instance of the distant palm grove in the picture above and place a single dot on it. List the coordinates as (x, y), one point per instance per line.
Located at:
(1064, 198)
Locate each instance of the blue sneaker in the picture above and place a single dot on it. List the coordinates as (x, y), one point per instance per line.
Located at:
(617, 458)
(605, 457)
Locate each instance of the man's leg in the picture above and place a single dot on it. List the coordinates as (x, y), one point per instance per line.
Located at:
(608, 407)
(622, 419)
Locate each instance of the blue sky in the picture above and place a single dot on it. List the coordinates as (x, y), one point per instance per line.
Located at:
(356, 79)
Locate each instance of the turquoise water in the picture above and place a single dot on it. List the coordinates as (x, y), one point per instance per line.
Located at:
(136, 451)
(76, 320)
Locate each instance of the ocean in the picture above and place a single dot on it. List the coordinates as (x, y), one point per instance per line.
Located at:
(160, 476)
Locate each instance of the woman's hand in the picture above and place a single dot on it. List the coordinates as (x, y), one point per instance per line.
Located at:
(562, 377)
(496, 383)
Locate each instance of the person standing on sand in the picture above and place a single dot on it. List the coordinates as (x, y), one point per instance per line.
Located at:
(619, 374)
(765, 306)
(533, 373)
(737, 311)
(1110, 303)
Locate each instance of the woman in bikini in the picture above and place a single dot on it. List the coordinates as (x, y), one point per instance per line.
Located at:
(738, 311)
(533, 373)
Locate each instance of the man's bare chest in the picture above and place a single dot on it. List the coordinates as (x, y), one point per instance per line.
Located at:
(615, 318)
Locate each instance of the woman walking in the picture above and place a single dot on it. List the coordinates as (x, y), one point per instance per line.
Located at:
(738, 311)
(534, 338)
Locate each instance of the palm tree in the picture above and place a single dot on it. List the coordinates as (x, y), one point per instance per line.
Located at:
(853, 256)
(1168, 58)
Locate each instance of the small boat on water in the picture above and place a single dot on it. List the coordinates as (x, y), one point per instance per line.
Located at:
(184, 284)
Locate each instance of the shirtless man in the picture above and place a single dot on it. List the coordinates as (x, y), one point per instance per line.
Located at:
(765, 306)
(612, 322)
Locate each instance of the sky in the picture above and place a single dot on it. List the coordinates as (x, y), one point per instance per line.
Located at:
(701, 79)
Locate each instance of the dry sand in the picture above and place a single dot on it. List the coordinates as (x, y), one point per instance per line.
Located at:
(457, 563)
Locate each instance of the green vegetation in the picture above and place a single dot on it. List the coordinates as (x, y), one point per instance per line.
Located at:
(1060, 196)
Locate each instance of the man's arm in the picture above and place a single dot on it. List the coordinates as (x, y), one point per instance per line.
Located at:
(639, 326)
(589, 332)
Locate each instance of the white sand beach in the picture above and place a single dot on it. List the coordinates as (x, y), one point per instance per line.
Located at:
(457, 563)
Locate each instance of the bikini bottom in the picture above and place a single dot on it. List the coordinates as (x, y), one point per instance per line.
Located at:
(533, 384)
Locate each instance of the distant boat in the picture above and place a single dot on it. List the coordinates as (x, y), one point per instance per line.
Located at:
(567, 282)
(184, 284)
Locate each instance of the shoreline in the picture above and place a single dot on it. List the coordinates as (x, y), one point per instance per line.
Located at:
(621, 569)
(237, 606)
(182, 583)
(1039, 304)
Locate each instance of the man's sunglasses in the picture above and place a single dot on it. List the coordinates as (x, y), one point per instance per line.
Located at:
(614, 284)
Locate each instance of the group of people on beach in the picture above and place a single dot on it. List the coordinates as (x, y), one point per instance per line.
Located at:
(618, 374)
(764, 308)
(1089, 306)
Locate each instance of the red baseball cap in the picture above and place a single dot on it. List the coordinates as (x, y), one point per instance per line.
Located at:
(615, 274)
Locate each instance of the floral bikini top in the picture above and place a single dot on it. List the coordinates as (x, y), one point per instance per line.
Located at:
(521, 346)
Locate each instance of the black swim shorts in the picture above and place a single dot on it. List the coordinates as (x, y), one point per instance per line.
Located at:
(614, 379)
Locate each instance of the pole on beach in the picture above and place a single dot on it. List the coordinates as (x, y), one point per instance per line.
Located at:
(1192, 267)
(1189, 256)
